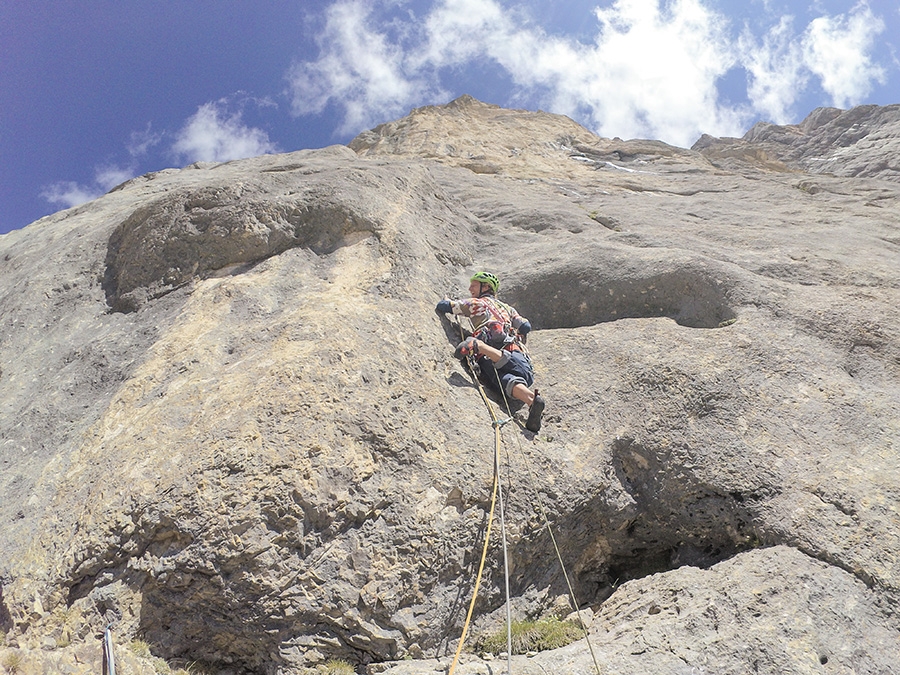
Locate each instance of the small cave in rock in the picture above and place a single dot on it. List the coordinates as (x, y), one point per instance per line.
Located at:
(678, 519)
(6, 622)
(673, 521)
(194, 233)
(231, 622)
(203, 622)
(688, 293)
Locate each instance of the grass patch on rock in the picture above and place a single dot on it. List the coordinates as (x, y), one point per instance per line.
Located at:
(12, 662)
(532, 636)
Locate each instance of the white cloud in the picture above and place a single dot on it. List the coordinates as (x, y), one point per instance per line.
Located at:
(462, 30)
(141, 142)
(837, 49)
(67, 194)
(832, 50)
(108, 177)
(776, 70)
(359, 70)
(655, 68)
(651, 72)
(212, 134)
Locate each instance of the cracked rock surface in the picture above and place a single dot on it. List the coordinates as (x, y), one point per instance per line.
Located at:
(232, 425)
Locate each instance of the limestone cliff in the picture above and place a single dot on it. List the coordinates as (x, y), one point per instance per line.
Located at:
(232, 424)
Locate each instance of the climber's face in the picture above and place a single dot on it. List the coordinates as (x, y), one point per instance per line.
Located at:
(475, 289)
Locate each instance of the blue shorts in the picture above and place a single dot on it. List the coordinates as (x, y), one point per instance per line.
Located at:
(512, 369)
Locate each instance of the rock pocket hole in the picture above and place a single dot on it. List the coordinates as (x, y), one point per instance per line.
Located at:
(676, 520)
(691, 295)
(679, 519)
(195, 233)
(6, 622)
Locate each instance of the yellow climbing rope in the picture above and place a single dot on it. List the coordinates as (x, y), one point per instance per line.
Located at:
(497, 425)
(487, 535)
(543, 512)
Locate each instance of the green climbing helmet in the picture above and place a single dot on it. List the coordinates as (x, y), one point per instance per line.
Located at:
(487, 278)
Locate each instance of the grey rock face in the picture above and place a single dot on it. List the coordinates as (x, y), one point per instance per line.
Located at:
(862, 142)
(232, 423)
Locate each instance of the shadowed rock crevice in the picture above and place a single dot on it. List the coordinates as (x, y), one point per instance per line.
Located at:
(147, 548)
(670, 518)
(192, 233)
(681, 520)
(210, 633)
(256, 573)
(655, 516)
(688, 294)
(5, 618)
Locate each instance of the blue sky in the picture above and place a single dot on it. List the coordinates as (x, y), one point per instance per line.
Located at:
(93, 92)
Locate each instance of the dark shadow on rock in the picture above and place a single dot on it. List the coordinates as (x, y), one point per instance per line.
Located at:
(458, 380)
(197, 232)
(5, 619)
(576, 294)
(680, 520)
(673, 520)
(452, 330)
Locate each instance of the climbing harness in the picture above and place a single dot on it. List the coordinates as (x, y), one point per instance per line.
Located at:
(494, 319)
(497, 496)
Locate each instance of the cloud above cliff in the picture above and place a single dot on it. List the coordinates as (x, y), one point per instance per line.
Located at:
(650, 68)
(121, 89)
(65, 194)
(837, 50)
(360, 69)
(213, 134)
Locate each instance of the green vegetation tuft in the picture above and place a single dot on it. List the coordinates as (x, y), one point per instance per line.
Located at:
(338, 667)
(140, 649)
(12, 662)
(532, 636)
(196, 668)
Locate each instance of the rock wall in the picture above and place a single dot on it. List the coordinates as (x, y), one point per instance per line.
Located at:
(232, 424)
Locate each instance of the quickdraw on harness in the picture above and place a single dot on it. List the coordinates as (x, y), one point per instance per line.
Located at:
(495, 327)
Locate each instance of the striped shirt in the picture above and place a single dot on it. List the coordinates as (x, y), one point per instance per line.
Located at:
(493, 322)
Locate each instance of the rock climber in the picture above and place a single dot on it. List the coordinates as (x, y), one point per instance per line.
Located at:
(495, 343)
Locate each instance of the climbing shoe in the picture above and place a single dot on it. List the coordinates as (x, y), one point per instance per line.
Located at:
(468, 347)
(534, 413)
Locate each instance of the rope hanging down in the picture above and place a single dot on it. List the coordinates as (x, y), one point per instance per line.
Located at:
(487, 538)
(543, 511)
(497, 425)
